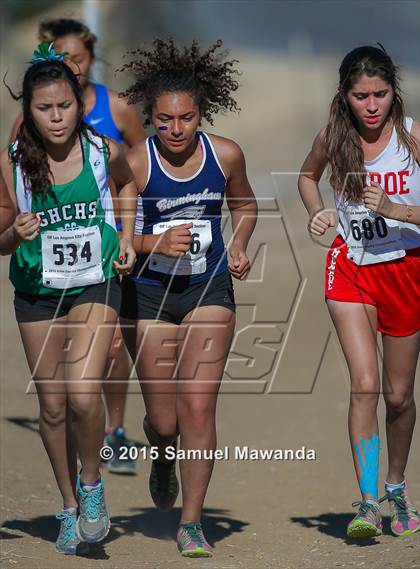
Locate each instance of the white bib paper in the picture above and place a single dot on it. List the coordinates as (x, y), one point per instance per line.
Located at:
(370, 238)
(194, 262)
(72, 258)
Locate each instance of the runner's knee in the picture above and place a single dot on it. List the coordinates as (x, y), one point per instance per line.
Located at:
(196, 413)
(86, 404)
(53, 416)
(398, 402)
(365, 390)
(162, 428)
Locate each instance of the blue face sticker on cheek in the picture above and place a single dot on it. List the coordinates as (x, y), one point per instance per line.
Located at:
(162, 127)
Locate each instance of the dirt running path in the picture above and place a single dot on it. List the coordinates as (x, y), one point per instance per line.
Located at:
(259, 514)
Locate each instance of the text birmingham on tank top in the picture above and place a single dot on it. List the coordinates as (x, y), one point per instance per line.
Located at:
(400, 179)
(168, 201)
(78, 240)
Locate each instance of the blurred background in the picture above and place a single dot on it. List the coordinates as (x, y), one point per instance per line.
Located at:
(289, 53)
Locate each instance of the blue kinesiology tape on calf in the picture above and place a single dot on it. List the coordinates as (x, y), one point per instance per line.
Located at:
(368, 464)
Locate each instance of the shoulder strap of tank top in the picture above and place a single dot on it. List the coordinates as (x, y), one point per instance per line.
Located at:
(23, 194)
(99, 164)
(101, 97)
(211, 150)
(408, 123)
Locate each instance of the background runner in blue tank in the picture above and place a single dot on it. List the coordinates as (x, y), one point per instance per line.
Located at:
(368, 114)
(66, 374)
(107, 113)
(110, 116)
(183, 394)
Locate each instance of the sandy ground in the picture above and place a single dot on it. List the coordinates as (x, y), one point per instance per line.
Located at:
(285, 387)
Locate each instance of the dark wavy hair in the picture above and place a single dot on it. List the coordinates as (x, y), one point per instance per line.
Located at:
(166, 68)
(29, 150)
(343, 145)
(51, 30)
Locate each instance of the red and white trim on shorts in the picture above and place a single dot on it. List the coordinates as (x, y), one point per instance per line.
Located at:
(392, 287)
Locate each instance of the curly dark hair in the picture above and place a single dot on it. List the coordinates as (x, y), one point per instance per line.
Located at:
(165, 68)
(29, 150)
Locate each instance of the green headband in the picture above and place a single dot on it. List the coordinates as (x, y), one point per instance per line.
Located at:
(46, 52)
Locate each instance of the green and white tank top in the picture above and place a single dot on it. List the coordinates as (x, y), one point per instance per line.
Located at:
(78, 239)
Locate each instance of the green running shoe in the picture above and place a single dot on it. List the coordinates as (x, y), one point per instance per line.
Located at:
(367, 522)
(191, 541)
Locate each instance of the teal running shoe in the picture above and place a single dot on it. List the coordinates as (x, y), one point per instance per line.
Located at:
(117, 441)
(67, 540)
(93, 523)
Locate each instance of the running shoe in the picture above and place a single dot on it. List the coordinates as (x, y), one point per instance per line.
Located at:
(405, 519)
(163, 484)
(117, 465)
(367, 522)
(191, 541)
(67, 540)
(93, 523)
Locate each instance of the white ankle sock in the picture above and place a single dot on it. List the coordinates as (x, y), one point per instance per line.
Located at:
(390, 487)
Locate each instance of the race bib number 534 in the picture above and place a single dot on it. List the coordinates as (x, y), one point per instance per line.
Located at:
(72, 258)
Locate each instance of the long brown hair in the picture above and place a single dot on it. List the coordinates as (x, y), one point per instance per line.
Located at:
(343, 145)
(29, 150)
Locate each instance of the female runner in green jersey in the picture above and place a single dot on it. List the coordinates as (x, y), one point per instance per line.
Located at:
(66, 255)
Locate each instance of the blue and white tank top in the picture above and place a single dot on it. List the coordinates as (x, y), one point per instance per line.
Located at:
(100, 117)
(168, 201)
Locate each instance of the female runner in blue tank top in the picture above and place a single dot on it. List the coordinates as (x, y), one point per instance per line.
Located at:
(110, 116)
(180, 298)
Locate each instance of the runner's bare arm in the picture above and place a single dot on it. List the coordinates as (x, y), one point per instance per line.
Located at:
(241, 202)
(7, 207)
(239, 195)
(15, 127)
(123, 177)
(23, 225)
(128, 119)
(310, 174)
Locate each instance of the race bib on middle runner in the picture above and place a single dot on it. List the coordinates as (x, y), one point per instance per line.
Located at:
(194, 262)
(370, 238)
(72, 258)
